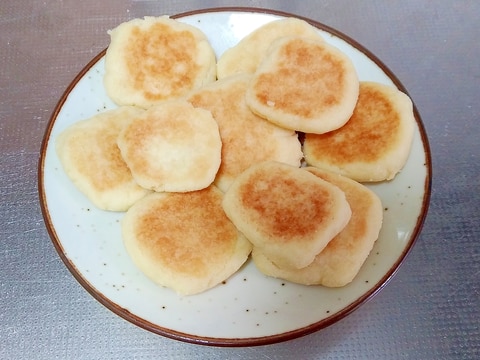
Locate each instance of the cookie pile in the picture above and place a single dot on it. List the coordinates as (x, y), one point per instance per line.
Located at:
(205, 158)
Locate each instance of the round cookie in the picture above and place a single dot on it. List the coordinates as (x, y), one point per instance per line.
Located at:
(247, 139)
(374, 144)
(90, 157)
(154, 59)
(172, 147)
(340, 261)
(305, 85)
(287, 212)
(184, 241)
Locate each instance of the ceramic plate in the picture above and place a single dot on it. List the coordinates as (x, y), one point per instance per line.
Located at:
(250, 308)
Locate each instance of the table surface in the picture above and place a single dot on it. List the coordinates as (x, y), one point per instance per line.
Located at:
(430, 310)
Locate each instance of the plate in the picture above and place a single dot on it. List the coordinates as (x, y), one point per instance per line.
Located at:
(249, 308)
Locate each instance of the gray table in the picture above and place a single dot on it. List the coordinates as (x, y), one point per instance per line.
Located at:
(430, 310)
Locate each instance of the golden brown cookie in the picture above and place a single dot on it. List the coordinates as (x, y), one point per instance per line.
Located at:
(374, 144)
(337, 264)
(247, 139)
(154, 59)
(305, 85)
(172, 146)
(184, 241)
(90, 156)
(287, 212)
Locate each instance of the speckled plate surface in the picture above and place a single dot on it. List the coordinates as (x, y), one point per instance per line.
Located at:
(249, 309)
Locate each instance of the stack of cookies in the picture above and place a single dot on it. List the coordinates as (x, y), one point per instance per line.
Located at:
(205, 157)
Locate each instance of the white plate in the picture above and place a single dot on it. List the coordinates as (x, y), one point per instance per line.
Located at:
(250, 309)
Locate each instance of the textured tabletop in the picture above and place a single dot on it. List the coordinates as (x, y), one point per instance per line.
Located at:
(431, 307)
